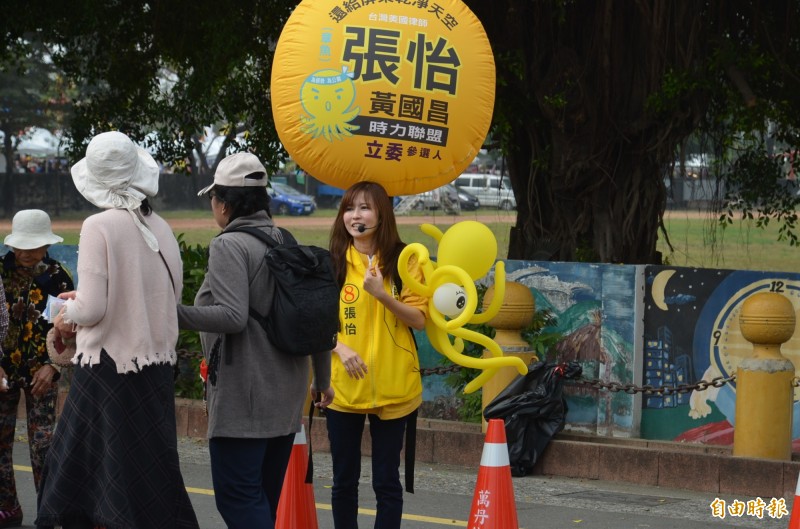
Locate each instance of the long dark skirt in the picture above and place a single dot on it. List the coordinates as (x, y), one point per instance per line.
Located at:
(114, 458)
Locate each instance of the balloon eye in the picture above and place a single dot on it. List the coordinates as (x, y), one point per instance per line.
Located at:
(450, 299)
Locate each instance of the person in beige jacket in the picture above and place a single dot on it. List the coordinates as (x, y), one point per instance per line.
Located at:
(114, 458)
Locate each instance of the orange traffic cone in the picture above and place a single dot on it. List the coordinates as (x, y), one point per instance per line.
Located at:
(794, 521)
(296, 508)
(493, 505)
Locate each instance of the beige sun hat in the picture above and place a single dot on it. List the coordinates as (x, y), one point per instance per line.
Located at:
(31, 229)
(242, 169)
(118, 174)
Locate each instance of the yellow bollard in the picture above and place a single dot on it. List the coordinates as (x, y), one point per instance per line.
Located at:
(515, 314)
(764, 392)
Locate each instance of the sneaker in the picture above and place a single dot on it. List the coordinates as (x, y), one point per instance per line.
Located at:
(12, 518)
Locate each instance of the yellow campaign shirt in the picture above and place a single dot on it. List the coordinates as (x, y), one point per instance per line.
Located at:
(392, 387)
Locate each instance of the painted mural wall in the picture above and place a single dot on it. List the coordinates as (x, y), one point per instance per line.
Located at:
(595, 307)
(691, 333)
(654, 325)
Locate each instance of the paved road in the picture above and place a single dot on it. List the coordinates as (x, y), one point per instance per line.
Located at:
(444, 498)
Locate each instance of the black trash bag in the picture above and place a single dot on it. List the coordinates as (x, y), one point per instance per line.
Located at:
(534, 410)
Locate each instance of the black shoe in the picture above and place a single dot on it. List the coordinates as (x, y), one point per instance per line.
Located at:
(12, 518)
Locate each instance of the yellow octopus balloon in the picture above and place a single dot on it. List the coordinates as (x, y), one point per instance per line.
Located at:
(466, 253)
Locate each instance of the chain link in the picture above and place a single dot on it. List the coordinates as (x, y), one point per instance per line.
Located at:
(440, 370)
(595, 383)
(185, 354)
(647, 389)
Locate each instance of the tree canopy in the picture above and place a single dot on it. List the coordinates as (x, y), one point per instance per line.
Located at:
(163, 72)
(594, 99)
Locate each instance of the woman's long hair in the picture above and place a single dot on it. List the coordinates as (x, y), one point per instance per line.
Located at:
(387, 241)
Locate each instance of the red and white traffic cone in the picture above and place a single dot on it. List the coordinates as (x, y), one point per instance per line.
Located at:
(296, 508)
(794, 521)
(493, 505)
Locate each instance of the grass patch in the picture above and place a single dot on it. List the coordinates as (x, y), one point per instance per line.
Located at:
(702, 243)
(697, 241)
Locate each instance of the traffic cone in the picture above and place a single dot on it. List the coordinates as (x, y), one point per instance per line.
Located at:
(296, 508)
(794, 521)
(493, 505)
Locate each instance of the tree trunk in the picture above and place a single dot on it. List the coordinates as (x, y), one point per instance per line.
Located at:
(585, 141)
(8, 177)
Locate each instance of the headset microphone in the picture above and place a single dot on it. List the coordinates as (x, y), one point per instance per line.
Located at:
(362, 228)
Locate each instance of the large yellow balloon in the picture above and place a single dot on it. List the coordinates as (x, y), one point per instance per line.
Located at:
(470, 245)
(400, 93)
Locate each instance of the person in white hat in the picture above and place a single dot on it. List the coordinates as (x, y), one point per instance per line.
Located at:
(250, 435)
(114, 459)
(29, 275)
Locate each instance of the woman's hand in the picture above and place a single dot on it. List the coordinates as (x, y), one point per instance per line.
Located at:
(62, 328)
(373, 282)
(322, 399)
(42, 380)
(67, 295)
(353, 364)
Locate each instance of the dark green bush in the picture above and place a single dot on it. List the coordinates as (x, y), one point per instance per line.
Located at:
(195, 262)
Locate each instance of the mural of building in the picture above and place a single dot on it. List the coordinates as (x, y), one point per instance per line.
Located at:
(665, 368)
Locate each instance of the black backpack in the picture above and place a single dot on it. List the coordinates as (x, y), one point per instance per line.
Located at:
(305, 308)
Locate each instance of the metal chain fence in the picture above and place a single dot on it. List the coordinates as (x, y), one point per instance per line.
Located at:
(614, 387)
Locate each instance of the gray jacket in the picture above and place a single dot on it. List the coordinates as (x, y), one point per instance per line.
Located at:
(260, 391)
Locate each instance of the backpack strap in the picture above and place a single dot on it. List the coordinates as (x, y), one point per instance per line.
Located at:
(259, 234)
(411, 450)
(288, 239)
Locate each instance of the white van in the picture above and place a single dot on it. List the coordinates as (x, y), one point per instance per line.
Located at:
(491, 190)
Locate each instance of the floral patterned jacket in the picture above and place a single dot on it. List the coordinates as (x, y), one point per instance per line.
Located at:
(24, 350)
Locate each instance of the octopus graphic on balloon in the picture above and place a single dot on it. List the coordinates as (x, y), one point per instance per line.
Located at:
(327, 97)
(450, 287)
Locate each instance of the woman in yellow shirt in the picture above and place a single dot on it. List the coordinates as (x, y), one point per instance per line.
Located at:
(375, 371)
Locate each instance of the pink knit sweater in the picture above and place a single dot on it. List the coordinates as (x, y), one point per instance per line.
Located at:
(125, 302)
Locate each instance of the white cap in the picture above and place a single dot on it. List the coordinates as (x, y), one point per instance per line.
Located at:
(242, 169)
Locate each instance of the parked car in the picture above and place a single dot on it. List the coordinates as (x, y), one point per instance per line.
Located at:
(448, 198)
(466, 200)
(286, 200)
(491, 190)
(426, 201)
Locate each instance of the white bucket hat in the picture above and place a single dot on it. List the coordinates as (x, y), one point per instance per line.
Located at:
(117, 174)
(31, 229)
(242, 169)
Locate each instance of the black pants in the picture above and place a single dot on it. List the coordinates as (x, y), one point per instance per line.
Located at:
(248, 477)
(344, 433)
